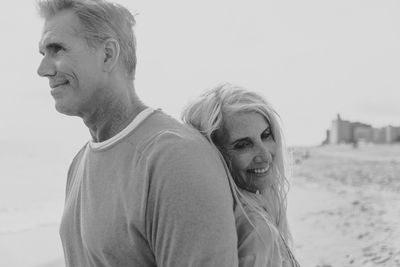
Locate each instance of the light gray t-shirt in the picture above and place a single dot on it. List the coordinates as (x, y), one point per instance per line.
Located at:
(156, 195)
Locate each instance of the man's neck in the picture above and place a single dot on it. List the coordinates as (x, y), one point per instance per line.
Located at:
(112, 117)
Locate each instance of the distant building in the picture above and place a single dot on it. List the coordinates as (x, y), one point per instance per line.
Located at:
(327, 137)
(392, 134)
(378, 135)
(343, 131)
(362, 134)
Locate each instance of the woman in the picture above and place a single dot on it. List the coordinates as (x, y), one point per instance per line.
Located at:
(246, 130)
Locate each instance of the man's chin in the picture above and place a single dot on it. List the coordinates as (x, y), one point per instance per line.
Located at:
(64, 109)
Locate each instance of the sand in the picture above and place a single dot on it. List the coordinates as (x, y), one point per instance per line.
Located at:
(344, 206)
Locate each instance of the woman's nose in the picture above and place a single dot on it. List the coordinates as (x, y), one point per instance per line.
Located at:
(264, 153)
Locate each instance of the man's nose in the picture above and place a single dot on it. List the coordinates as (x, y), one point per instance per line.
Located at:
(46, 68)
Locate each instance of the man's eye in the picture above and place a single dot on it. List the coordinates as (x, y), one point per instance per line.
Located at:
(55, 48)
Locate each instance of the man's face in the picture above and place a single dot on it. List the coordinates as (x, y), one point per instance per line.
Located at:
(73, 68)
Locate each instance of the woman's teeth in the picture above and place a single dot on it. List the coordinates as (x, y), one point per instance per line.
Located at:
(259, 171)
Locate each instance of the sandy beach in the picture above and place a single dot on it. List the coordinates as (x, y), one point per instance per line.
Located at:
(343, 208)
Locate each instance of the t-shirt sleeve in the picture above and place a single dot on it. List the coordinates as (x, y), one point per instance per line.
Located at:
(258, 246)
(72, 169)
(189, 220)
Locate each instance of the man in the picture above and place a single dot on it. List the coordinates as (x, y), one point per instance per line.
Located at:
(146, 190)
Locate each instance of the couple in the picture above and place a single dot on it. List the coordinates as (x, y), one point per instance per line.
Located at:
(148, 190)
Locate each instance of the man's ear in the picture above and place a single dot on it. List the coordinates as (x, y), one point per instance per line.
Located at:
(111, 54)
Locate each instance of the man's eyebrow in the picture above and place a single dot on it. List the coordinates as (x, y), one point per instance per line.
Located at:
(50, 46)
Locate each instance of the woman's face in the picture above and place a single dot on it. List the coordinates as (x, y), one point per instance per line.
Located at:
(248, 144)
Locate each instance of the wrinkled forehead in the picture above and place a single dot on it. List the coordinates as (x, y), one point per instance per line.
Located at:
(60, 27)
(242, 124)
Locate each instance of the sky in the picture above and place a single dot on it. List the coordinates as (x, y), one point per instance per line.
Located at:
(311, 59)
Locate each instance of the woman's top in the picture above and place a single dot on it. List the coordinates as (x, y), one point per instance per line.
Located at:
(262, 245)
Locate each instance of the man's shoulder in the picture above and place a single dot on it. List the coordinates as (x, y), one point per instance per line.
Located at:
(163, 131)
(78, 155)
(169, 142)
(74, 164)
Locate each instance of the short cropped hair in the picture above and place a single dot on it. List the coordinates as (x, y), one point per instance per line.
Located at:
(100, 20)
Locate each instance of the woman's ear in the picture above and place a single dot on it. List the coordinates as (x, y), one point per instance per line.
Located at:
(111, 54)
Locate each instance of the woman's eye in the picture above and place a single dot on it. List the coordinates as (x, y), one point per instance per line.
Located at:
(266, 134)
(241, 145)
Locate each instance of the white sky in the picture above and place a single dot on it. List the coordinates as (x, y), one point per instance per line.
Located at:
(311, 59)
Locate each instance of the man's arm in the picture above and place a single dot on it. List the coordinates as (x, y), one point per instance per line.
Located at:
(190, 219)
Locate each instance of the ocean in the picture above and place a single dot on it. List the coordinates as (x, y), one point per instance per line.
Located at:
(32, 183)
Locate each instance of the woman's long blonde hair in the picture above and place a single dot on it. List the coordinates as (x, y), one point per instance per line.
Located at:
(207, 114)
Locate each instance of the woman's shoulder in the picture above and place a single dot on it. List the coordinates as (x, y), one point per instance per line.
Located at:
(249, 220)
(258, 239)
